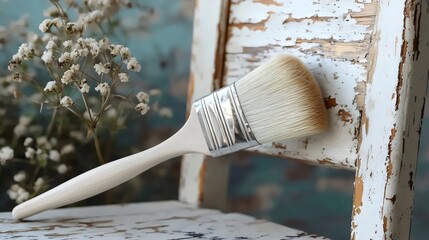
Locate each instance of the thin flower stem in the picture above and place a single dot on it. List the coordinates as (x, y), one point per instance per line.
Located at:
(52, 123)
(35, 173)
(97, 147)
(78, 115)
(101, 111)
(52, 75)
(90, 76)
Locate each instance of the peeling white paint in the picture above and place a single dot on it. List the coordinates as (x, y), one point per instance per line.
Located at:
(318, 32)
(394, 102)
(154, 220)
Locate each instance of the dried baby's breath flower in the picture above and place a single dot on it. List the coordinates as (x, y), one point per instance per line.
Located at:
(155, 92)
(45, 25)
(133, 65)
(69, 57)
(143, 97)
(17, 77)
(67, 77)
(67, 43)
(66, 101)
(143, 108)
(115, 49)
(30, 152)
(47, 57)
(51, 45)
(28, 141)
(38, 184)
(54, 155)
(101, 68)
(18, 193)
(62, 168)
(123, 77)
(67, 149)
(84, 88)
(6, 153)
(103, 88)
(165, 112)
(125, 53)
(20, 176)
(50, 86)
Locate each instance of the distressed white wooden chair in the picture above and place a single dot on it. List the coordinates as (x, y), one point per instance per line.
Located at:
(371, 60)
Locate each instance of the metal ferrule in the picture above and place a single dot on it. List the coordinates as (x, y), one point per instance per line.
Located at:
(224, 125)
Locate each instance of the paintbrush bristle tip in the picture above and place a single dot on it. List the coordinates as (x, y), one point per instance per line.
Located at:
(282, 100)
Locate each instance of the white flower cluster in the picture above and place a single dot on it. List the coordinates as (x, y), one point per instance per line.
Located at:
(126, 56)
(18, 193)
(103, 88)
(66, 101)
(68, 75)
(6, 153)
(25, 52)
(84, 87)
(101, 68)
(50, 86)
(143, 97)
(143, 106)
(46, 24)
(21, 128)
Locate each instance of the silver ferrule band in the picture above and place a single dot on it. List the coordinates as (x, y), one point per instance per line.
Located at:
(224, 124)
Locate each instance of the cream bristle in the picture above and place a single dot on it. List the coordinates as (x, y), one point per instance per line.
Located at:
(281, 100)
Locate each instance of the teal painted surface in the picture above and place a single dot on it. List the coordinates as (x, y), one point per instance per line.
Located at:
(315, 199)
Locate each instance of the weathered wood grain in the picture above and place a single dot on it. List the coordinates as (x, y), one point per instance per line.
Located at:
(394, 103)
(157, 221)
(197, 180)
(334, 39)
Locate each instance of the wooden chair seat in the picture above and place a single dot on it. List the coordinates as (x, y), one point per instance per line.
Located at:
(152, 220)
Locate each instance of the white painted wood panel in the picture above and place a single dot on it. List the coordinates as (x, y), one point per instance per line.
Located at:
(394, 104)
(149, 221)
(196, 179)
(333, 38)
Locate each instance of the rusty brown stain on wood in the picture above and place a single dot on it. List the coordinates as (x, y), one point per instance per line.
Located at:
(417, 24)
(334, 49)
(201, 180)
(373, 44)
(268, 2)
(367, 15)
(326, 161)
(222, 28)
(411, 182)
(345, 116)
(408, 12)
(305, 143)
(360, 91)
(393, 199)
(358, 194)
(314, 18)
(279, 145)
(373, 54)
(409, 8)
(258, 26)
(330, 102)
(365, 121)
(191, 90)
(384, 224)
(400, 70)
(389, 169)
(156, 229)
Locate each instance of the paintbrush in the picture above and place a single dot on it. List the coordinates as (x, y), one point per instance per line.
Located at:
(278, 100)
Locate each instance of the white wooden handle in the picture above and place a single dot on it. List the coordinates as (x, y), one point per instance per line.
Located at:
(188, 139)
